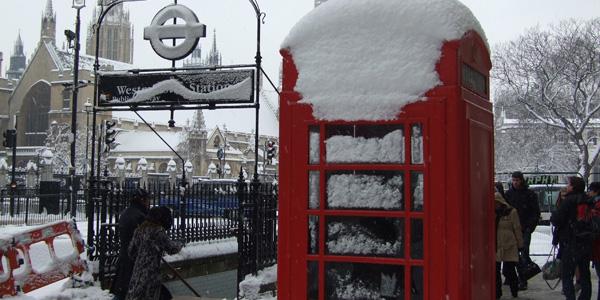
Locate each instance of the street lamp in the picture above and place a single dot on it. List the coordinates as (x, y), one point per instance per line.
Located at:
(78, 5)
(106, 7)
(88, 109)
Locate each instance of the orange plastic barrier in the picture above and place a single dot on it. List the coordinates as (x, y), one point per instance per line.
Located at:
(20, 275)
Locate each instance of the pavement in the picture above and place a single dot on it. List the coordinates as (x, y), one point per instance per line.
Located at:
(220, 285)
(539, 290)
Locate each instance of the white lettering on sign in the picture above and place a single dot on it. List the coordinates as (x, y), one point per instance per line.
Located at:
(191, 31)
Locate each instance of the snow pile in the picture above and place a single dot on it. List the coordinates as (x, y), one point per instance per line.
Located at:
(366, 59)
(313, 232)
(205, 249)
(3, 164)
(250, 286)
(350, 288)
(314, 148)
(355, 239)
(364, 191)
(238, 92)
(91, 293)
(343, 148)
(313, 189)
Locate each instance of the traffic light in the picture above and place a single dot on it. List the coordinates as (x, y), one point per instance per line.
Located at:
(10, 138)
(109, 135)
(270, 152)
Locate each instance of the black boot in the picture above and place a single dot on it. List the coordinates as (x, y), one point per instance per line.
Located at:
(514, 289)
(523, 286)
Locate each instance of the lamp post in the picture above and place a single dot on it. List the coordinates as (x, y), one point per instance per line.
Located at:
(78, 5)
(88, 109)
(90, 206)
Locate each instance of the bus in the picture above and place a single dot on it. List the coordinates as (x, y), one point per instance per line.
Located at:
(547, 195)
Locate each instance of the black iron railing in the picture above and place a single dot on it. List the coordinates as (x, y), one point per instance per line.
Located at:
(257, 237)
(34, 206)
(204, 211)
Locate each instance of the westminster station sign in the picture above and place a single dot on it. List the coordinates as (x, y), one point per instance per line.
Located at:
(176, 88)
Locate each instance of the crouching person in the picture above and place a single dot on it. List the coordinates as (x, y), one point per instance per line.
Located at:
(149, 244)
(509, 240)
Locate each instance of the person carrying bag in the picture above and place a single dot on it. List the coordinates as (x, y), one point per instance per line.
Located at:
(551, 269)
(509, 240)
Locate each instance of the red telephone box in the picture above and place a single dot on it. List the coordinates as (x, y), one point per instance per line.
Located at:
(396, 209)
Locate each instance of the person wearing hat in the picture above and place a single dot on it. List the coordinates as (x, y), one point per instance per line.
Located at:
(509, 239)
(129, 220)
(526, 203)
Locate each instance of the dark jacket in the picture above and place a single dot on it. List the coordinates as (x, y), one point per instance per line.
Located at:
(149, 244)
(129, 220)
(528, 208)
(563, 217)
(596, 243)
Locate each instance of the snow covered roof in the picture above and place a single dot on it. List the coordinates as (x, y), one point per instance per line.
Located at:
(146, 141)
(64, 60)
(366, 59)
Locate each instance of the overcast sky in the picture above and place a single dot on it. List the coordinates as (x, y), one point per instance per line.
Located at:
(235, 24)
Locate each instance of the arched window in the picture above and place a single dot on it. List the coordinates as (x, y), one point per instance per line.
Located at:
(66, 96)
(33, 116)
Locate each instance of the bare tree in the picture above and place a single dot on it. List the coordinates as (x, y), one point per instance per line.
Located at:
(555, 75)
(59, 138)
(532, 147)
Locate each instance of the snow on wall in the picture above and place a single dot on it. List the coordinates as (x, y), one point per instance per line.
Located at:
(364, 191)
(355, 239)
(389, 149)
(313, 156)
(366, 59)
(313, 189)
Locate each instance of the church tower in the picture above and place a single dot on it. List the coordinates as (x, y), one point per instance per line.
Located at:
(214, 56)
(48, 32)
(195, 60)
(18, 62)
(116, 36)
(196, 137)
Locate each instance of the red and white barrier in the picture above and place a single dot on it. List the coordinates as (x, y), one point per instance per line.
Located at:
(15, 249)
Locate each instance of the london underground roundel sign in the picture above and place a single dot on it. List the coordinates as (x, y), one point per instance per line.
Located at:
(191, 31)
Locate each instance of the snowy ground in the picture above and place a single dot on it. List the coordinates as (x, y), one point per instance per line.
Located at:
(62, 290)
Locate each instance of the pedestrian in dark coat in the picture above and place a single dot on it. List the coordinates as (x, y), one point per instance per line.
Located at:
(526, 203)
(130, 219)
(509, 240)
(575, 252)
(594, 195)
(149, 244)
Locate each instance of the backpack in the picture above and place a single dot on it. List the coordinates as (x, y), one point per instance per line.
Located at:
(587, 223)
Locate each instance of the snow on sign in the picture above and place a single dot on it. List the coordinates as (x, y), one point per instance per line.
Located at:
(168, 88)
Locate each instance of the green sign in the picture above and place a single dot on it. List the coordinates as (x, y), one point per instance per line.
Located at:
(542, 179)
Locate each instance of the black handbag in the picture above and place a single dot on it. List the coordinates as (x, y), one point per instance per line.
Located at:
(527, 268)
(551, 269)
